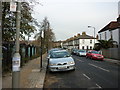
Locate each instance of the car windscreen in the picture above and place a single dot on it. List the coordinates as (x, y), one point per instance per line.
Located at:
(82, 51)
(95, 52)
(59, 55)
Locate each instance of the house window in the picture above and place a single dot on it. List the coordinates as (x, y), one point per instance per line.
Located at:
(90, 41)
(111, 34)
(100, 36)
(82, 47)
(77, 41)
(105, 36)
(83, 41)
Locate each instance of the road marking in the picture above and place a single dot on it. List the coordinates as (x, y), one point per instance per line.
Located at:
(98, 86)
(79, 60)
(99, 67)
(86, 76)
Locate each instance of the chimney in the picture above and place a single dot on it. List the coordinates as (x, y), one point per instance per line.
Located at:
(78, 34)
(84, 33)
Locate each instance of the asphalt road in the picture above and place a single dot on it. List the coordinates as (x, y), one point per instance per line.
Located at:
(90, 74)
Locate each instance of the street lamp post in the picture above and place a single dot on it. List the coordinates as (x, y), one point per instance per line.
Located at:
(94, 32)
(16, 57)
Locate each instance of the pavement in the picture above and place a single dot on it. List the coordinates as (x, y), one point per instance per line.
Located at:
(112, 61)
(31, 76)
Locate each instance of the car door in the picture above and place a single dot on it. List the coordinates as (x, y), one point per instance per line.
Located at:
(89, 54)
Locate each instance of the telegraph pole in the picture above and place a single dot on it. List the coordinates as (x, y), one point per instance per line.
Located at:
(16, 57)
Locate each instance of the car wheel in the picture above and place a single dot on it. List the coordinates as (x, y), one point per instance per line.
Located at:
(91, 58)
(73, 69)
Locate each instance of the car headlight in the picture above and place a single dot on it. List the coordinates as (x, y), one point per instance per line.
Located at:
(72, 62)
(95, 55)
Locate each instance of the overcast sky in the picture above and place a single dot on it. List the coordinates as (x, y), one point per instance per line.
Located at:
(69, 17)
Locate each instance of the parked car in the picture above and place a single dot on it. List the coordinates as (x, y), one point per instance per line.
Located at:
(61, 60)
(74, 51)
(81, 52)
(92, 54)
(53, 49)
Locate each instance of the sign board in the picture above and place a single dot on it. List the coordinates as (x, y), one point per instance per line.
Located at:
(16, 63)
(13, 6)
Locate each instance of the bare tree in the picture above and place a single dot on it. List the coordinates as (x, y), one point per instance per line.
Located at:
(49, 35)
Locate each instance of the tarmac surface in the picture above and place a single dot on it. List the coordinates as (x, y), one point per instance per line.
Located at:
(89, 74)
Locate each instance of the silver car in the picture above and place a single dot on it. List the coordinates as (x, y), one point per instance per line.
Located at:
(61, 60)
(81, 53)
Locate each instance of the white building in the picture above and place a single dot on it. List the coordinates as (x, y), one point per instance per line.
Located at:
(110, 31)
(80, 42)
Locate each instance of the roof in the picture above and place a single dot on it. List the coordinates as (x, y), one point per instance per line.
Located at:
(85, 37)
(111, 26)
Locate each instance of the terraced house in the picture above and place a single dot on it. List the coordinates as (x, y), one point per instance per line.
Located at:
(83, 41)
